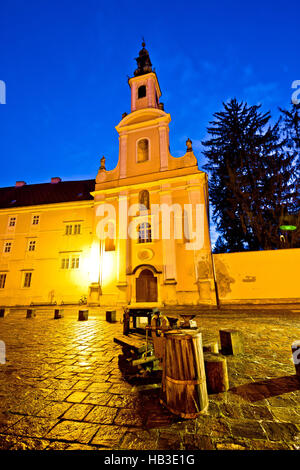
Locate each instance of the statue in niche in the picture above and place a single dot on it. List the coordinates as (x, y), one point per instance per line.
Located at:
(143, 150)
(144, 200)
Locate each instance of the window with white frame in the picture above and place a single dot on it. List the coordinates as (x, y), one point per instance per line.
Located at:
(35, 220)
(144, 233)
(2, 280)
(27, 279)
(31, 245)
(12, 221)
(7, 247)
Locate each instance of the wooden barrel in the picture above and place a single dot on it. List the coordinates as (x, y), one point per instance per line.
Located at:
(184, 383)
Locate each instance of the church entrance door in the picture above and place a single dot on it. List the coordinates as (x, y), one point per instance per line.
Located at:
(146, 287)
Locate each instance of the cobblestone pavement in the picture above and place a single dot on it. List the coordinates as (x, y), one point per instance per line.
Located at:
(61, 388)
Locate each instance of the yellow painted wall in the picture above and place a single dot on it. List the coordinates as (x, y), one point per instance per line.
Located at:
(50, 282)
(258, 276)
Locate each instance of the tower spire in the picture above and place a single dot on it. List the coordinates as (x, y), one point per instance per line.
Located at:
(143, 61)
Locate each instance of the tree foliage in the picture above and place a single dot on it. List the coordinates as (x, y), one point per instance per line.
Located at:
(252, 177)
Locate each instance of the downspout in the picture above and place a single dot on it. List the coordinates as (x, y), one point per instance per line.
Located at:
(211, 255)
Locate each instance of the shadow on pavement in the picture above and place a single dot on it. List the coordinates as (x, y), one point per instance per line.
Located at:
(267, 388)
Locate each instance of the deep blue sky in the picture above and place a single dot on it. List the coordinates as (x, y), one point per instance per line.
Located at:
(65, 64)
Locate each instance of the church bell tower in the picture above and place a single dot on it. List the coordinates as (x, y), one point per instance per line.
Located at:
(145, 91)
(144, 133)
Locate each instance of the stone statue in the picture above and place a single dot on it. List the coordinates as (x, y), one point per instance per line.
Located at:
(102, 166)
(189, 147)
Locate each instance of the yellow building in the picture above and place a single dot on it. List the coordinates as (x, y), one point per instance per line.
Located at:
(137, 234)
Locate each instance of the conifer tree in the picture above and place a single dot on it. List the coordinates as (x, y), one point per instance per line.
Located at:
(290, 127)
(251, 177)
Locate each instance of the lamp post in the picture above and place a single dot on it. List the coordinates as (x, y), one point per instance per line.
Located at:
(288, 223)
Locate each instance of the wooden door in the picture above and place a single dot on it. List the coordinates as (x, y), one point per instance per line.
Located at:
(146, 287)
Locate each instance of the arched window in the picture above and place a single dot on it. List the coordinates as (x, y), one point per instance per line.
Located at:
(144, 200)
(144, 233)
(109, 244)
(142, 91)
(110, 230)
(143, 150)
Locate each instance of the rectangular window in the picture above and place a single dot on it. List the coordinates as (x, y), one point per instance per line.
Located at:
(27, 280)
(144, 233)
(75, 262)
(35, 220)
(70, 263)
(65, 263)
(12, 221)
(77, 228)
(73, 229)
(31, 245)
(7, 247)
(68, 229)
(2, 280)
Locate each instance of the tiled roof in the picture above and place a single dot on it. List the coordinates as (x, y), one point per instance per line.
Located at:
(46, 193)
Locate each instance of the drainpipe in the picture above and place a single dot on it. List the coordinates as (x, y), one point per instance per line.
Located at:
(211, 255)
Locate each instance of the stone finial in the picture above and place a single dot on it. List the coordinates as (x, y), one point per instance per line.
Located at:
(189, 147)
(102, 166)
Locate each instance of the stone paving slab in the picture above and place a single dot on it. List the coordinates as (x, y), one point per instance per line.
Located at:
(61, 388)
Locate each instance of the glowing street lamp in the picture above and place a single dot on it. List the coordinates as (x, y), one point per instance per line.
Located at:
(288, 223)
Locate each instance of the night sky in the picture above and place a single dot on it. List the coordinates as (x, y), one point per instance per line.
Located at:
(65, 65)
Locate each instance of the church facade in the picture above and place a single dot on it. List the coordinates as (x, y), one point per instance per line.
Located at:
(137, 234)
